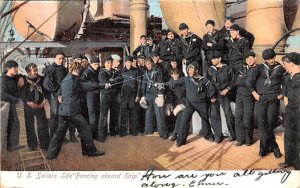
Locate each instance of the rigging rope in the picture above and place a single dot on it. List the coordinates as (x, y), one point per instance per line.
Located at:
(35, 30)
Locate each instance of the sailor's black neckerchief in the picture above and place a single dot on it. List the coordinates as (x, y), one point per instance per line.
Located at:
(267, 71)
(34, 86)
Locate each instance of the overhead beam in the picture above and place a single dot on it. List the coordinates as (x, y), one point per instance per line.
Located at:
(73, 44)
(13, 9)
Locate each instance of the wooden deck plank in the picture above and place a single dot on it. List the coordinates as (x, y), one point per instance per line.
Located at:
(153, 152)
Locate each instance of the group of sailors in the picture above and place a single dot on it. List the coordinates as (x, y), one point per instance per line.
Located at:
(158, 88)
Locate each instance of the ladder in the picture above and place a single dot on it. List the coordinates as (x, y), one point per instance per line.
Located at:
(31, 160)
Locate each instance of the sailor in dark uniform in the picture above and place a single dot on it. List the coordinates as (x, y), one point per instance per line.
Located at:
(151, 45)
(10, 83)
(244, 104)
(225, 35)
(34, 99)
(143, 48)
(130, 96)
(222, 78)
(168, 50)
(134, 62)
(107, 76)
(154, 99)
(141, 63)
(237, 47)
(190, 47)
(291, 93)
(174, 65)
(212, 41)
(54, 74)
(114, 124)
(198, 91)
(141, 111)
(70, 112)
(158, 65)
(90, 74)
(265, 84)
(84, 62)
(177, 99)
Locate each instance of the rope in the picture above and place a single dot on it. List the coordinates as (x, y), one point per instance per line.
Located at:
(281, 6)
(284, 36)
(13, 10)
(5, 23)
(3, 6)
(263, 9)
(35, 30)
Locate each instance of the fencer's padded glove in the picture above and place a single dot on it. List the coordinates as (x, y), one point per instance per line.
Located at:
(159, 86)
(107, 85)
(159, 100)
(143, 103)
(169, 109)
(111, 80)
(178, 109)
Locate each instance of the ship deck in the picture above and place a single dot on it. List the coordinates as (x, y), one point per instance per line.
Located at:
(151, 152)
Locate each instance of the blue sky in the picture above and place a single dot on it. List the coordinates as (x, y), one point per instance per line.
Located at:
(154, 8)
